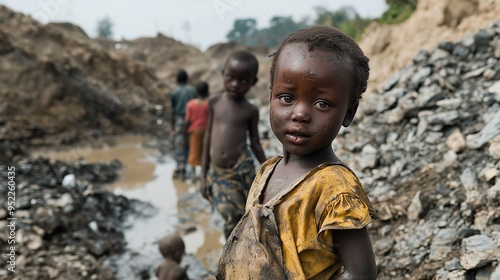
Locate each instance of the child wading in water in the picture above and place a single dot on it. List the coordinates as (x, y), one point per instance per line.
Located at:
(228, 166)
(196, 125)
(179, 98)
(306, 212)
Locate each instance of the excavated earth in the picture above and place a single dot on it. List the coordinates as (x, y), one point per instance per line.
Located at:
(425, 142)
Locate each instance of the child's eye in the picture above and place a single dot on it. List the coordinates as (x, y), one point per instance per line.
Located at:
(286, 99)
(322, 104)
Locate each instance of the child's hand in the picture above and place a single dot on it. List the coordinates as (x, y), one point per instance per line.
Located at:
(205, 190)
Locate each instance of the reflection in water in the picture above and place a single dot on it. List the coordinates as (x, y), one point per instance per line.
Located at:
(147, 176)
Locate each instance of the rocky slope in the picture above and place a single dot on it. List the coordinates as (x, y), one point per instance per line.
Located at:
(427, 148)
(167, 56)
(57, 80)
(392, 47)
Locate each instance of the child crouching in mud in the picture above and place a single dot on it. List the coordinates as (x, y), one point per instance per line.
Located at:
(306, 213)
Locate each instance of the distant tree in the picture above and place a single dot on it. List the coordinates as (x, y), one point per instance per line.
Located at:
(335, 18)
(245, 31)
(105, 28)
(398, 11)
(346, 19)
(279, 28)
(242, 28)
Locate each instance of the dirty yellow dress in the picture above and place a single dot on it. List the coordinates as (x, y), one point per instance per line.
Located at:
(290, 236)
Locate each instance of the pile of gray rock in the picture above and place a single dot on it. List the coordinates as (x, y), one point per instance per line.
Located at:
(427, 149)
(66, 224)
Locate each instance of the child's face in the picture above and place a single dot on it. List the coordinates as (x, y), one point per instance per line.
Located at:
(238, 78)
(310, 98)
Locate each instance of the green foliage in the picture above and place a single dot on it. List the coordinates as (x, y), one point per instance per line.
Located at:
(335, 18)
(355, 27)
(245, 31)
(346, 19)
(242, 29)
(279, 29)
(398, 11)
(105, 28)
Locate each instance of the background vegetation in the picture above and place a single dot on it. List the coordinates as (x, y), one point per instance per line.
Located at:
(346, 18)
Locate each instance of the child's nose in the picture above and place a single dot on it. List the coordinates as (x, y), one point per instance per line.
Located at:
(235, 83)
(300, 113)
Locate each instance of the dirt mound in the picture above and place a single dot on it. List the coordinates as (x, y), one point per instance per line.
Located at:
(163, 54)
(167, 56)
(392, 47)
(55, 79)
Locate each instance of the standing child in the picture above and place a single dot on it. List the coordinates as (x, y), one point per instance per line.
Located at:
(228, 167)
(196, 125)
(179, 98)
(306, 212)
(172, 249)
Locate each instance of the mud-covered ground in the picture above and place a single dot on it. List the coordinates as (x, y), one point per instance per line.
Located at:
(67, 222)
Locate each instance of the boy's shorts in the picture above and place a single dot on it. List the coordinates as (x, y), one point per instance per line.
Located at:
(230, 187)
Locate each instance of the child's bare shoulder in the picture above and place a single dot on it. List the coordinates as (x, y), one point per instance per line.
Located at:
(213, 99)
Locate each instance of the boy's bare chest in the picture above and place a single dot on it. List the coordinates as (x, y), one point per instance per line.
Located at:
(232, 114)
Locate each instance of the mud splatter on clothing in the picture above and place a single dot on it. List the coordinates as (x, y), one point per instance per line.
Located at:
(290, 237)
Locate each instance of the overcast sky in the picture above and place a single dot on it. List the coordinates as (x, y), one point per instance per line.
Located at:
(199, 22)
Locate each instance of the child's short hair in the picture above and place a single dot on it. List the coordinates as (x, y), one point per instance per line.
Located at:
(330, 39)
(182, 77)
(171, 245)
(245, 56)
(202, 89)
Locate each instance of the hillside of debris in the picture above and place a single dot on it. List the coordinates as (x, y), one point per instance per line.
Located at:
(58, 86)
(427, 148)
(391, 47)
(167, 56)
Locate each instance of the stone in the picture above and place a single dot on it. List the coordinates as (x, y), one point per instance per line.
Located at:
(456, 141)
(477, 251)
(492, 129)
(494, 148)
(69, 181)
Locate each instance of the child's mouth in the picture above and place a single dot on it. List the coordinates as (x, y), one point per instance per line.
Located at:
(296, 138)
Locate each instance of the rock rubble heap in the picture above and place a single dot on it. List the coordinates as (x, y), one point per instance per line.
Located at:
(67, 223)
(428, 152)
(59, 86)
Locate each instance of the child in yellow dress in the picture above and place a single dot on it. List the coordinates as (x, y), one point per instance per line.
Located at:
(307, 212)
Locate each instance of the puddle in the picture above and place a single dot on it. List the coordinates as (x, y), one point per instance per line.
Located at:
(147, 176)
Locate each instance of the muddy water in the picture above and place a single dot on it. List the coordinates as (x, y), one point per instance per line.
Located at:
(147, 176)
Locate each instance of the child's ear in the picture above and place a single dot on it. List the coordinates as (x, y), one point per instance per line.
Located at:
(255, 81)
(350, 113)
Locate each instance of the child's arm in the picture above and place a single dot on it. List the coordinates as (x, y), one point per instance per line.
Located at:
(172, 116)
(205, 160)
(356, 253)
(254, 137)
(186, 133)
(187, 123)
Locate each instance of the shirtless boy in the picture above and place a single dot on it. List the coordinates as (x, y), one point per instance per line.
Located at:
(228, 167)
